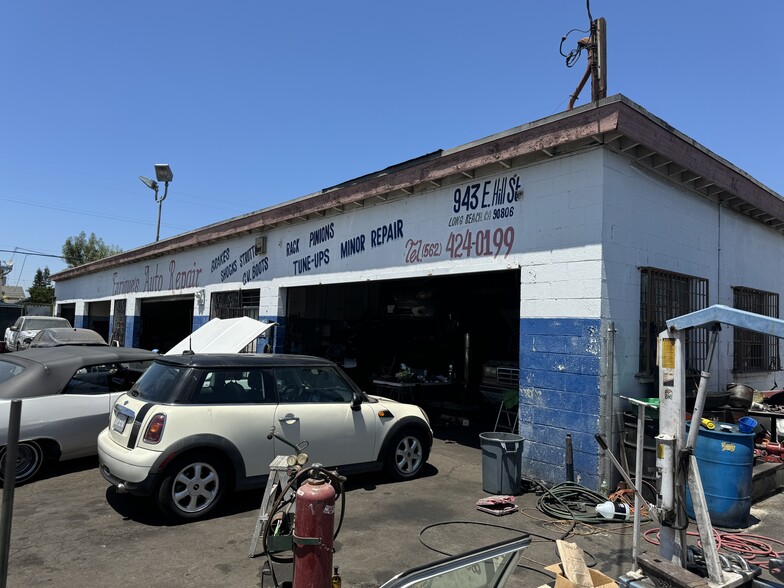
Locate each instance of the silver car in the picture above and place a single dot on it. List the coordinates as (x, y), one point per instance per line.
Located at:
(67, 393)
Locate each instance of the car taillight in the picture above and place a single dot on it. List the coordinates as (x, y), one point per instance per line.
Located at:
(155, 429)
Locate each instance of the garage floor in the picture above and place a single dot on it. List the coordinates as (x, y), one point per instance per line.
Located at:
(71, 529)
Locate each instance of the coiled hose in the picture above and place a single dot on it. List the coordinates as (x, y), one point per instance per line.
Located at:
(571, 501)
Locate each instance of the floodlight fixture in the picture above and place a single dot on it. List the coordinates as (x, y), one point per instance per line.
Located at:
(163, 172)
(151, 184)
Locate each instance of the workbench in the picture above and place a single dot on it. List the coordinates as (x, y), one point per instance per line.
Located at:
(411, 391)
(774, 416)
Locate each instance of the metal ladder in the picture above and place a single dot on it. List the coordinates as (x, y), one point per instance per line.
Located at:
(275, 483)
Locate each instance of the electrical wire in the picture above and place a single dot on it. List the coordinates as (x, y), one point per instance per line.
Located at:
(574, 55)
(568, 500)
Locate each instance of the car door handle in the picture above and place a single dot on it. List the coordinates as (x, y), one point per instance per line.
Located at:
(289, 418)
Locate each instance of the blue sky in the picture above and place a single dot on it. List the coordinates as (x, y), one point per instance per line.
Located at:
(253, 103)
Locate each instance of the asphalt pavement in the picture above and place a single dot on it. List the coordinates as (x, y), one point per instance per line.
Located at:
(70, 528)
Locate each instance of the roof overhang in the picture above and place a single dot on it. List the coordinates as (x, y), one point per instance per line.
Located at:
(614, 123)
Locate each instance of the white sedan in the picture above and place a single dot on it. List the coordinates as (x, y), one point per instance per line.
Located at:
(66, 393)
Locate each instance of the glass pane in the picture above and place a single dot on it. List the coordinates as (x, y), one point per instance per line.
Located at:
(8, 370)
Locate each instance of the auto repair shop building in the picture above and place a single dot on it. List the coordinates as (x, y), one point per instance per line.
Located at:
(563, 244)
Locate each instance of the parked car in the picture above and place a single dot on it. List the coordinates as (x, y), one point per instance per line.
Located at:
(500, 380)
(58, 337)
(19, 335)
(194, 427)
(67, 394)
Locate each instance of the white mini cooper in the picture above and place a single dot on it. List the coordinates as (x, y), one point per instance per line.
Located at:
(194, 427)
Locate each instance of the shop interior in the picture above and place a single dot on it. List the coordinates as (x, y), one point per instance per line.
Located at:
(164, 323)
(431, 329)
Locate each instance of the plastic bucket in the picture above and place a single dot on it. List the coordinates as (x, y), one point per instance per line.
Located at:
(725, 457)
(746, 424)
(502, 461)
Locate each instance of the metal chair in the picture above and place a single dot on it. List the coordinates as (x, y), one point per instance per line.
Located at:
(508, 417)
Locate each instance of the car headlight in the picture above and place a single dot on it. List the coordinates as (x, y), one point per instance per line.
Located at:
(490, 372)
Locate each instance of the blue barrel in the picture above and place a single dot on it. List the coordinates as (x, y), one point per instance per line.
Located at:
(725, 457)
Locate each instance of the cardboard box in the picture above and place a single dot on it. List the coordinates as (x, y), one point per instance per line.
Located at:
(572, 571)
(598, 579)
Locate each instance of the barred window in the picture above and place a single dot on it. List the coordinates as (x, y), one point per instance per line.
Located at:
(235, 303)
(755, 352)
(665, 295)
(118, 322)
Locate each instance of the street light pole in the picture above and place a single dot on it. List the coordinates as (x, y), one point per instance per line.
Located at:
(164, 174)
(160, 202)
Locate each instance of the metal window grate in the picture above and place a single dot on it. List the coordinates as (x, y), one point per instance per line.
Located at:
(118, 322)
(665, 295)
(235, 303)
(755, 352)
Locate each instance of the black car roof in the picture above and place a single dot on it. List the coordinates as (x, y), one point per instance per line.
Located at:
(48, 369)
(242, 360)
(67, 354)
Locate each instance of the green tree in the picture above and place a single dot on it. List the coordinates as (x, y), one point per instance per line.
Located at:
(83, 249)
(42, 291)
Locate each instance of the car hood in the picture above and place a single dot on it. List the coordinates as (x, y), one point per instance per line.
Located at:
(222, 336)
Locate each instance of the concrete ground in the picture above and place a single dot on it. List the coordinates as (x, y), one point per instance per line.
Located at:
(70, 528)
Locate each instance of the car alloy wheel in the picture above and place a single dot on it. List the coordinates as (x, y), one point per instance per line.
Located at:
(29, 459)
(406, 455)
(192, 487)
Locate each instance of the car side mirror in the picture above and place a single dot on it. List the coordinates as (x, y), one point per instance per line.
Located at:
(14, 328)
(356, 401)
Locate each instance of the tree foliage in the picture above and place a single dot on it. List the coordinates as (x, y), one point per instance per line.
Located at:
(82, 249)
(42, 291)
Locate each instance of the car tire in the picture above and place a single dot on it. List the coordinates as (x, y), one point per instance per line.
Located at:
(192, 487)
(406, 455)
(29, 459)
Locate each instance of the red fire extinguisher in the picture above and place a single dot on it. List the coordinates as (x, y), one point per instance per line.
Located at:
(314, 527)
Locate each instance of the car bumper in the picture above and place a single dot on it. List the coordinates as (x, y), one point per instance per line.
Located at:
(117, 469)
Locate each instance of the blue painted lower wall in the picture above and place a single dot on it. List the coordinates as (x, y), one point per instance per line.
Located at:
(279, 332)
(132, 328)
(559, 394)
(80, 321)
(199, 321)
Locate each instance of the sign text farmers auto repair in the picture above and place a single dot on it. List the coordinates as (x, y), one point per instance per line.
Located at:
(475, 219)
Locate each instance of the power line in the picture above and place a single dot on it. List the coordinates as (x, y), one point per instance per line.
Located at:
(85, 213)
(19, 251)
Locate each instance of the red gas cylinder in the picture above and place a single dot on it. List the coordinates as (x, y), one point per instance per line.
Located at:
(314, 527)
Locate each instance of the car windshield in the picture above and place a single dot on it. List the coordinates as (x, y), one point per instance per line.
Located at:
(159, 382)
(33, 324)
(8, 370)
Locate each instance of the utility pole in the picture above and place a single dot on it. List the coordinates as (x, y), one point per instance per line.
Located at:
(596, 45)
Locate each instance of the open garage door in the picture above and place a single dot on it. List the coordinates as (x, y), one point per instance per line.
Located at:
(164, 323)
(427, 324)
